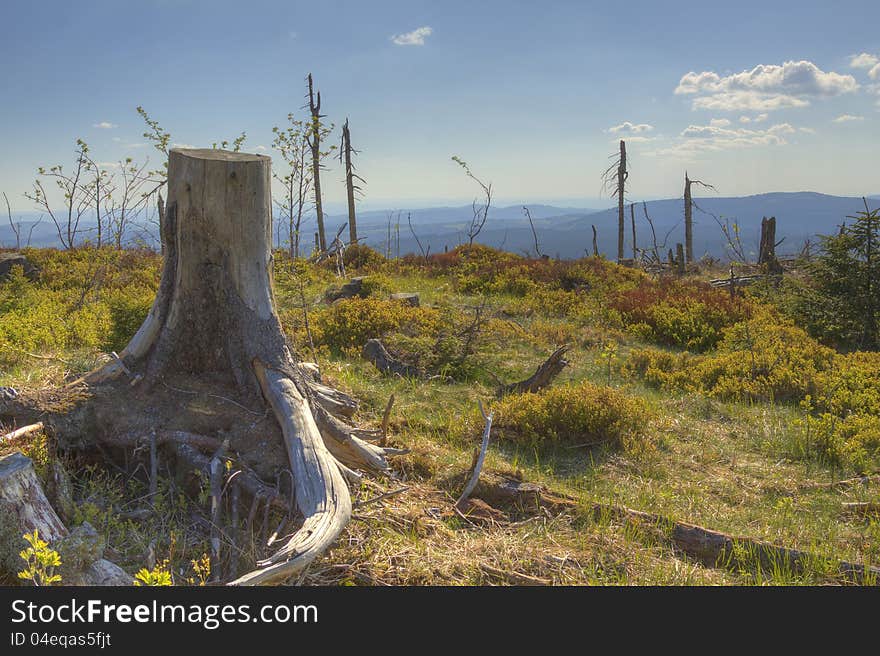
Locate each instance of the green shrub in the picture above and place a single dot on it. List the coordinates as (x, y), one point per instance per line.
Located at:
(580, 413)
(349, 323)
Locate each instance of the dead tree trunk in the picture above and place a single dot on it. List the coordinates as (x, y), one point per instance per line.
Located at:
(621, 186)
(767, 248)
(214, 323)
(350, 186)
(315, 146)
(632, 218)
(688, 221)
(595, 242)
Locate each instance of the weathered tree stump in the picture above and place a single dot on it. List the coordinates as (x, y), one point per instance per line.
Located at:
(26, 509)
(211, 357)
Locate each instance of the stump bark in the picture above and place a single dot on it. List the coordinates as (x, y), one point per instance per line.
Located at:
(213, 323)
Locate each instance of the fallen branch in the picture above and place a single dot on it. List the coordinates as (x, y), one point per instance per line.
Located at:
(517, 578)
(478, 463)
(381, 497)
(386, 416)
(862, 508)
(21, 432)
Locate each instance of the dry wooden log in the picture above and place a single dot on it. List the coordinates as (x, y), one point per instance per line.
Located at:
(862, 508)
(478, 463)
(543, 377)
(711, 548)
(375, 352)
(21, 432)
(714, 548)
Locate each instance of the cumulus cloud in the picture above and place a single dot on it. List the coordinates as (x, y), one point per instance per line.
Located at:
(766, 87)
(696, 139)
(847, 118)
(414, 38)
(105, 125)
(260, 149)
(864, 60)
(752, 101)
(719, 122)
(626, 128)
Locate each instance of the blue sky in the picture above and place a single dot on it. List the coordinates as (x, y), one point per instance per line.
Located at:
(754, 97)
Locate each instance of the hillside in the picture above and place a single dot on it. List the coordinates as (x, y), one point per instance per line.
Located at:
(564, 231)
(658, 412)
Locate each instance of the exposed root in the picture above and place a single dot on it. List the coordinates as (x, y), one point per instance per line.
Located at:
(321, 493)
(343, 442)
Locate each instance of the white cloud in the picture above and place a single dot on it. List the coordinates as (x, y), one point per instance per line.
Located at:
(182, 145)
(874, 73)
(864, 60)
(105, 125)
(766, 87)
(696, 139)
(629, 128)
(414, 38)
(760, 118)
(847, 118)
(260, 148)
(751, 101)
(807, 130)
(719, 122)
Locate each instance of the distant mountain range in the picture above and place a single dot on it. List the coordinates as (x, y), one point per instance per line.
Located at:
(566, 231)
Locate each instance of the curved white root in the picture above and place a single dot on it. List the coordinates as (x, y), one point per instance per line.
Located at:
(322, 495)
(137, 348)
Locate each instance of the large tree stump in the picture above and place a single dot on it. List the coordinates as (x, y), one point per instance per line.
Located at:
(213, 333)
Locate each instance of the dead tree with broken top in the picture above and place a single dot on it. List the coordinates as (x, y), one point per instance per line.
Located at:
(345, 153)
(614, 178)
(767, 246)
(316, 133)
(689, 216)
(210, 374)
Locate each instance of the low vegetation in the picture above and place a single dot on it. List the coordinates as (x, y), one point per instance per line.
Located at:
(681, 401)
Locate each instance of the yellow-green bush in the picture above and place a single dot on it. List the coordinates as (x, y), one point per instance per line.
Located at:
(764, 358)
(349, 323)
(581, 413)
